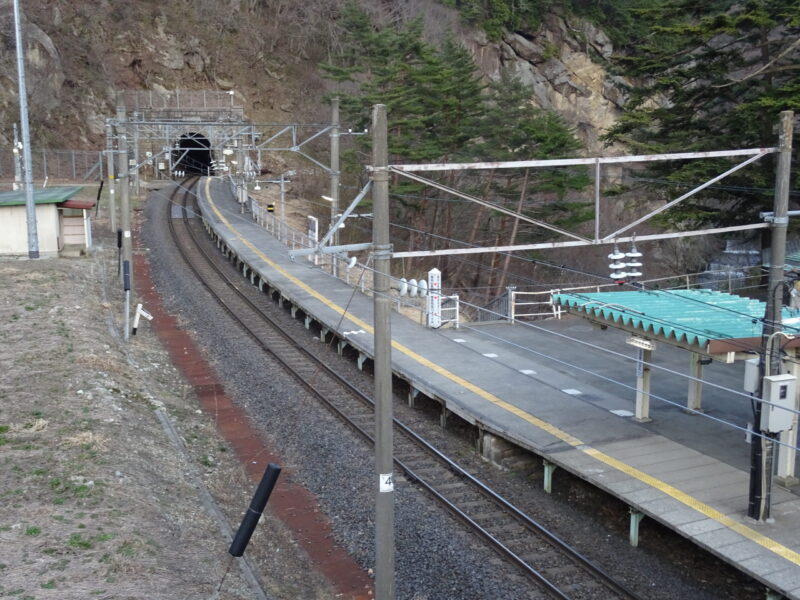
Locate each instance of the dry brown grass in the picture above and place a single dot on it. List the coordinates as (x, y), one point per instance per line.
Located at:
(88, 440)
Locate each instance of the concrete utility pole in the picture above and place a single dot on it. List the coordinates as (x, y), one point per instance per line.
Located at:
(136, 161)
(382, 251)
(112, 193)
(30, 206)
(758, 507)
(334, 179)
(125, 208)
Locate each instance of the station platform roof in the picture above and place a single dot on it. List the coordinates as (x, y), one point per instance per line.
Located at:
(700, 320)
(52, 195)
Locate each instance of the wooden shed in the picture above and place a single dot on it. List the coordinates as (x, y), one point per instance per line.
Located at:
(62, 221)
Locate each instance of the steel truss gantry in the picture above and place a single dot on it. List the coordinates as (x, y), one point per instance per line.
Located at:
(410, 172)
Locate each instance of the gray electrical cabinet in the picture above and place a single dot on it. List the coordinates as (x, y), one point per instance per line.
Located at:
(751, 375)
(779, 391)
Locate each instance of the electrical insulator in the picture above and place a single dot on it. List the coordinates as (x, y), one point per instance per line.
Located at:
(616, 254)
(634, 263)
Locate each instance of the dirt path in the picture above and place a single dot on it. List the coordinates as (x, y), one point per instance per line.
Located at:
(95, 499)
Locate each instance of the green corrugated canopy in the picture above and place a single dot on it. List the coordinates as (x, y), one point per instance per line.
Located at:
(694, 317)
(52, 195)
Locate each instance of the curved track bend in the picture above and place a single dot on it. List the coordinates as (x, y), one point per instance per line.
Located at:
(557, 569)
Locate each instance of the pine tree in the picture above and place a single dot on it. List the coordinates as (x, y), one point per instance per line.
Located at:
(715, 76)
(438, 111)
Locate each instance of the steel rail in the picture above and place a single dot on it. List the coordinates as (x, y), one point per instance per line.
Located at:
(586, 564)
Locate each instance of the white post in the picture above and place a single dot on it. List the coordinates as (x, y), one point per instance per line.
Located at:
(434, 298)
(695, 397)
(17, 161)
(786, 454)
(643, 386)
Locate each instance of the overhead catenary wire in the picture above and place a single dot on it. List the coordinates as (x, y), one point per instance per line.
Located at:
(563, 267)
(613, 353)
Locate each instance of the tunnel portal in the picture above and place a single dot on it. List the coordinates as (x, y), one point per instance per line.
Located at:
(193, 155)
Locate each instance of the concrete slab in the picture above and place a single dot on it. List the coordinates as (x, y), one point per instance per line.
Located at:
(741, 551)
(694, 528)
(764, 564)
(660, 506)
(623, 487)
(725, 478)
(788, 579)
(718, 538)
(647, 494)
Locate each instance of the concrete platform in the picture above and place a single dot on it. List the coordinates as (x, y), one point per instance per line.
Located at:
(687, 472)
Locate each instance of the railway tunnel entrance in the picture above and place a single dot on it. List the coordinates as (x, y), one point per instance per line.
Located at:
(193, 154)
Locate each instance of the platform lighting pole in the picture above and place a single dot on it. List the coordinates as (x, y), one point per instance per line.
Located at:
(112, 193)
(30, 206)
(758, 507)
(334, 179)
(382, 249)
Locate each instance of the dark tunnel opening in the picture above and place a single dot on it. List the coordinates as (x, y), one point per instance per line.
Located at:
(193, 155)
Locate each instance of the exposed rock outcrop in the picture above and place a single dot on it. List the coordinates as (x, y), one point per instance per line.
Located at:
(563, 63)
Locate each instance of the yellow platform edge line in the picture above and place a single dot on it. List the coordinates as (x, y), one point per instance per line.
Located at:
(565, 437)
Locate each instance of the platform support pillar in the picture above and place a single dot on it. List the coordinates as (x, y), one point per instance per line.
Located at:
(412, 396)
(308, 322)
(443, 416)
(340, 346)
(643, 386)
(636, 519)
(694, 399)
(293, 310)
(549, 469)
(360, 361)
(785, 475)
(323, 334)
(773, 595)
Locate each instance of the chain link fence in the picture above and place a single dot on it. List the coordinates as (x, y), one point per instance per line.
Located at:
(55, 165)
(180, 99)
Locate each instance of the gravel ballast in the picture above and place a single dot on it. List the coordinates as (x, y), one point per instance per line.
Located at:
(435, 558)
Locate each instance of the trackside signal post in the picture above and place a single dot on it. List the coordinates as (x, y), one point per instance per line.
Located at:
(382, 249)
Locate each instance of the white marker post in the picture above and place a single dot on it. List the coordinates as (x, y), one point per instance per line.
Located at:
(140, 312)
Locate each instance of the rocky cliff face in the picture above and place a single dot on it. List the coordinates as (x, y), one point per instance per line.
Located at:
(78, 54)
(563, 64)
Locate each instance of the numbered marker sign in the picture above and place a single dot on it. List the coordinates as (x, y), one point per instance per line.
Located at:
(385, 482)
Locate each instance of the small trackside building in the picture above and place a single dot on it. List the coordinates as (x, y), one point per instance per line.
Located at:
(62, 221)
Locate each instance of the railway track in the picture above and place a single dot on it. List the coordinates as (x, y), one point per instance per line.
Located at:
(557, 569)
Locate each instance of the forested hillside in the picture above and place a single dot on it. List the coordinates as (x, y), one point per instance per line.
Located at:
(464, 80)
(691, 76)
